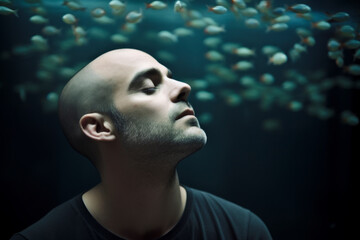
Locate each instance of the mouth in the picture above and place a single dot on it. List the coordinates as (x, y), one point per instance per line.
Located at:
(187, 112)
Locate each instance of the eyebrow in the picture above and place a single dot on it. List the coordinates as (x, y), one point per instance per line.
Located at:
(139, 77)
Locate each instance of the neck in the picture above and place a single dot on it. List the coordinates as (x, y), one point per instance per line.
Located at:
(137, 201)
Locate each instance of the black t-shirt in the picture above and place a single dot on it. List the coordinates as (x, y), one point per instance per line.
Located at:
(205, 217)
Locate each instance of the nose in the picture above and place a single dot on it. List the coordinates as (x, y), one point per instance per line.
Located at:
(180, 91)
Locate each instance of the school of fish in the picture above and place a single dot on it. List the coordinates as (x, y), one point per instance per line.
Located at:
(232, 68)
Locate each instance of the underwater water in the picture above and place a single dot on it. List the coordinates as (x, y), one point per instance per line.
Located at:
(274, 84)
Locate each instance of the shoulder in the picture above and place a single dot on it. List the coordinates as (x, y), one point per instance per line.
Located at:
(230, 213)
(54, 224)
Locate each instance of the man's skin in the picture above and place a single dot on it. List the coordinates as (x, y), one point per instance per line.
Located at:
(139, 196)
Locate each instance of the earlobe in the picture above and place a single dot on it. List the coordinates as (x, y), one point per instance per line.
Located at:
(97, 127)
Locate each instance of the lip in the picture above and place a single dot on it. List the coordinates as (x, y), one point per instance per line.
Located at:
(186, 112)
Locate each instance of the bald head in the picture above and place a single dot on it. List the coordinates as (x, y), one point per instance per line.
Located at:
(92, 90)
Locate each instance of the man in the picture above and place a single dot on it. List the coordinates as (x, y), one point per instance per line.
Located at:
(132, 120)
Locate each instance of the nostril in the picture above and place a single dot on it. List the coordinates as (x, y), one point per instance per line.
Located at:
(181, 96)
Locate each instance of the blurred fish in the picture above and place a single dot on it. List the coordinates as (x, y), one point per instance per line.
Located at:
(352, 44)
(196, 23)
(338, 17)
(353, 69)
(321, 25)
(179, 6)
(267, 78)
(104, 20)
(98, 12)
(73, 6)
(213, 29)
(299, 8)
(183, 32)
(50, 30)
(356, 55)
(264, 6)
(243, 65)
(349, 118)
(277, 27)
(156, 5)
(69, 19)
(117, 5)
(38, 19)
(295, 106)
(269, 50)
(7, 11)
(346, 31)
(134, 17)
(333, 45)
(39, 42)
(249, 12)
(252, 23)
(278, 58)
(204, 96)
(239, 3)
(212, 42)
(310, 41)
(167, 36)
(281, 19)
(218, 9)
(213, 55)
(244, 52)
(119, 38)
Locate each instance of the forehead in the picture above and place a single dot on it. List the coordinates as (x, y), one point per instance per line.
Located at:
(121, 66)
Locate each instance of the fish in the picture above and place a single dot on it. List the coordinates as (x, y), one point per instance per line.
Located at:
(351, 44)
(239, 3)
(183, 32)
(156, 5)
(50, 30)
(321, 25)
(119, 38)
(338, 17)
(179, 6)
(38, 19)
(353, 69)
(72, 5)
(267, 78)
(299, 8)
(213, 29)
(134, 17)
(204, 96)
(249, 12)
(7, 11)
(167, 36)
(69, 19)
(277, 27)
(349, 118)
(218, 9)
(333, 44)
(310, 41)
(264, 6)
(243, 65)
(244, 52)
(98, 12)
(281, 19)
(278, 58)
(252, 23)
(213, 55)
(117, 5)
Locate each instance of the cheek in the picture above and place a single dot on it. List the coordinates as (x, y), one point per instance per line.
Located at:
(152, 110)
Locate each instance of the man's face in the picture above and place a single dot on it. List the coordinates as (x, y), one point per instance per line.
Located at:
(157, 117)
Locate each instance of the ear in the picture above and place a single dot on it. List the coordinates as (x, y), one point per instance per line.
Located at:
(97, 127)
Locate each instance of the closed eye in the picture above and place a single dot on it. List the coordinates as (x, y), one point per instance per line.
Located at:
(149, 90)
